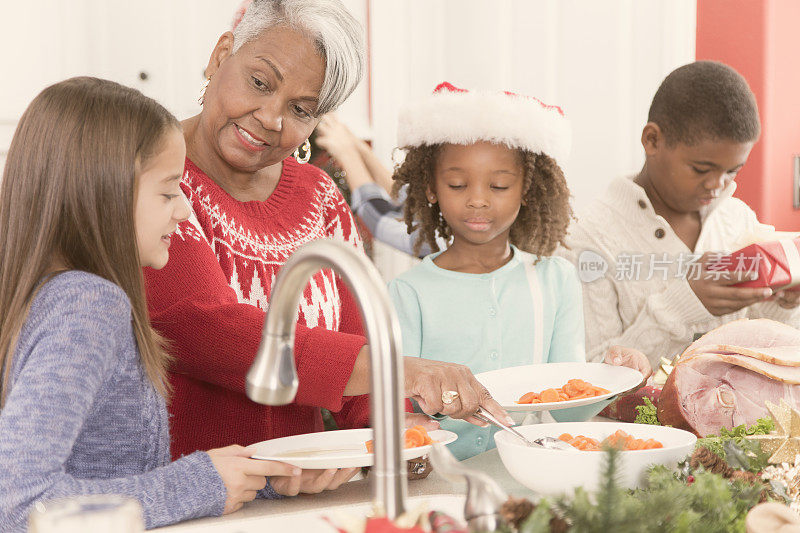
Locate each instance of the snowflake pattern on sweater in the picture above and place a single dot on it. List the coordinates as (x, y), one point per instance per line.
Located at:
(251, 252)
(210, 306)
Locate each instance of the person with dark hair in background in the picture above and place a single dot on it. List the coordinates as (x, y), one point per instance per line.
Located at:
(370, 184)
(658, 231)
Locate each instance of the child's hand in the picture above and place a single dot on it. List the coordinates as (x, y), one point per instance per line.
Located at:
(788, 299)
(716, 292)
(336, 139)
(630, 357)
(244, 477)
(312, 481)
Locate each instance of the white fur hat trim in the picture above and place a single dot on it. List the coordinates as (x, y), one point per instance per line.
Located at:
(455, 116)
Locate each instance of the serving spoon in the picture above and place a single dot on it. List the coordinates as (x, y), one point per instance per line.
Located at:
(550, 443)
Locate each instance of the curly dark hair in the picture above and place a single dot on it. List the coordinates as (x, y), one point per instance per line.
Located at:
(541, 224)
(705, 100)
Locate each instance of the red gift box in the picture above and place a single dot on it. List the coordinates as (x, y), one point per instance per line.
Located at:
(777, 264)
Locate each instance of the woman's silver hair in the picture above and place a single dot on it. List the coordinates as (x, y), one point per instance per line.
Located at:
(337, 35)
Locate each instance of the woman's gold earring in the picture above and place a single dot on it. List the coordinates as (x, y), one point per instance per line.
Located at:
(202, 97)
(306, 155)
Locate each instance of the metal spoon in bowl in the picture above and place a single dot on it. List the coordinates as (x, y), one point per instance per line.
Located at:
(542, 442)
(554, 443)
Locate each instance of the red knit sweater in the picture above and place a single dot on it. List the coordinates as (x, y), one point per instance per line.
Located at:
(209, 303)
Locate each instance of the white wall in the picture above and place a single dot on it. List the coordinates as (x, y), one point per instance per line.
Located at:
(168, 40)
(600, 60)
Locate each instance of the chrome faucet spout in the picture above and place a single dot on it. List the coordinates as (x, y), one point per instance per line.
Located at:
(272, 379)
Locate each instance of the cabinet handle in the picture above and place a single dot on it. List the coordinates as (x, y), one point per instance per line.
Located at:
(796, 182)
(143, 75)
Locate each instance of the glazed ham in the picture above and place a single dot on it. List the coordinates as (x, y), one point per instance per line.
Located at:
(753, 334)
(724, 378)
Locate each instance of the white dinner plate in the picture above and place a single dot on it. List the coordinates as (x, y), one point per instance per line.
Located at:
(344, 448)
(507, 385)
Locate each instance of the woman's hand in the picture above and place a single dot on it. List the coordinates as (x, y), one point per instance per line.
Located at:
(630, 357)
(244, 477)
(312, 481)
(428, 380)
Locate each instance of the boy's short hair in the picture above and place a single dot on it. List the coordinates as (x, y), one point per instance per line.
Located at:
(702, 100)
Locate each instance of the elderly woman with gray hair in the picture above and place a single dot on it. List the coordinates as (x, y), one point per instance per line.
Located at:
(254, 202)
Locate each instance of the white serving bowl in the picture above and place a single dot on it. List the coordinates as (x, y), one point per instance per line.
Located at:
(555, 472)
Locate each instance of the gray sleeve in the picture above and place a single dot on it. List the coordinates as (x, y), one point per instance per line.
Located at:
(52, 395)
(268, 493)
(384, 218)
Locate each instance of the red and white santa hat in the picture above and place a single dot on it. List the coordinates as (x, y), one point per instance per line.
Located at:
(457, 116)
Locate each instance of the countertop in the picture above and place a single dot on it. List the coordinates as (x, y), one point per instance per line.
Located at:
(356, 492)
(359, 492)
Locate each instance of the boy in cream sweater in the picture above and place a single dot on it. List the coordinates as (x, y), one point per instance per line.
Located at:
(642, 248)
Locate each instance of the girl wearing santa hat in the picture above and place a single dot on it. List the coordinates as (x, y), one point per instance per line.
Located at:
(482, 170)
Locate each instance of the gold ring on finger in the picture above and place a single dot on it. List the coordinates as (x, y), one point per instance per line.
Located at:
(449, 396)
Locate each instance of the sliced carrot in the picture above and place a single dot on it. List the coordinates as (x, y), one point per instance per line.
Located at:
(414, 438)
(618, 439)
(528, 397)
(549, 395)
(573, 389)
(426, 439)
(580, 385)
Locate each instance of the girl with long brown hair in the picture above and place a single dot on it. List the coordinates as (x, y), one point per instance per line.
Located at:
(90, 194)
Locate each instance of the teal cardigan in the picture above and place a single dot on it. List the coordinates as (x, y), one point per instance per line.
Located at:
(485, 321)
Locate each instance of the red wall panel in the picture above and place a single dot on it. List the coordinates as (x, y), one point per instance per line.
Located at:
(759, 38)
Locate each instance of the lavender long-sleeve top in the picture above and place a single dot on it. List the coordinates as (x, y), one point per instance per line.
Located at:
(81, 416)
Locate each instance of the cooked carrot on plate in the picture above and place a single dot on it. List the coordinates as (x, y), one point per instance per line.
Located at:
(414, 437)
(574, 389)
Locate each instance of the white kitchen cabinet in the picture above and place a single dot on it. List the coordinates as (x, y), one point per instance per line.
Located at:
(157, 46)
(160, 47)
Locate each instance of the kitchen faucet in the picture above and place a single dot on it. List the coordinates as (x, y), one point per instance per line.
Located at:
(272, 378)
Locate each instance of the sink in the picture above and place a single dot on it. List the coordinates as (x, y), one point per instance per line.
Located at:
(313, 521)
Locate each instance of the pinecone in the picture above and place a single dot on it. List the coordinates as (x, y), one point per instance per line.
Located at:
(515, 510)
(710, 461)
(745, 476)
(558, 525)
